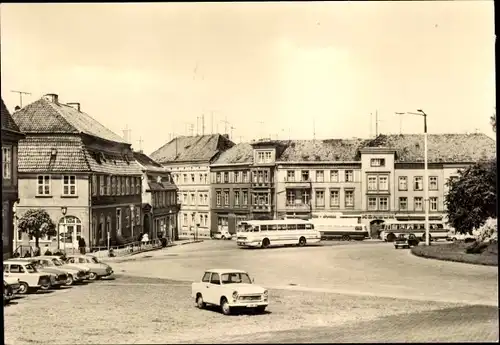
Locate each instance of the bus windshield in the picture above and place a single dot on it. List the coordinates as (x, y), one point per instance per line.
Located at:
(245, 227)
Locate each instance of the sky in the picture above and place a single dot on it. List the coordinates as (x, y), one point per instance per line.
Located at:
(281, 70)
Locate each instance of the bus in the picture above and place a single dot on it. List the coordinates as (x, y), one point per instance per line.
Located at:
(267, 233)
(340, 228)
(390, 230)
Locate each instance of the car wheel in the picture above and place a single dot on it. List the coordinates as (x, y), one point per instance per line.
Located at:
(346, 238)
(45, 286)
(23, 288)
(93, 276)
(265, 243)
(69, 280)
(226, 309)
(199, 301)
(391, 237)
(260, 309)
(302, 241)
(223, 237)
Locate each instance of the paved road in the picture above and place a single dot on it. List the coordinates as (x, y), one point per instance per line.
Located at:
(359, 268)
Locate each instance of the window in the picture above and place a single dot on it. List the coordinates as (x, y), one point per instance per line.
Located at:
(192, 178)
(266, 176)
(245, 176)
(334, 198)
(418, 203)
(193, 217)
(433, 203)
(113, 185)
(206, 277)
(137, 211)
(349, 198)
(226, 177)
(236, 177)
(118, 185)
(184, 219)
(218, 197)
(138, 185)
(290, 198)
(70, 229)
(94, 185)
(217, 178)
(403, 203)
(128, 216)
(305, 175)
(200, 198)
(206, 199)
(43, 184)
(320, 198)
(260, 157)
(260, 176)
(193, 199)
(185, 178)
(433, 183)
(377, 162)
(349, 176)
(226, 198)
(185, 199)
(320, 176)
(108, 185)
(237, 198)
(372, 182)
(334, 176)
(215, 279)
(69, 185)
(268, 157)
(6, 161)
(245, 198)
(403, 183)
(127, 185)
(290, 175)
(383, 204)
(123, 185)
(372, 204)
(383, 183)
(417, 183)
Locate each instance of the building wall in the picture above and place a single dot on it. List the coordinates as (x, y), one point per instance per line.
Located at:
(188, 187)
(225, 216)
(9, 195)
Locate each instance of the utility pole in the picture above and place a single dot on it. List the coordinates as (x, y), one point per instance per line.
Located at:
(376, 123)
(197, 124)
(400, 122)
(21, 93)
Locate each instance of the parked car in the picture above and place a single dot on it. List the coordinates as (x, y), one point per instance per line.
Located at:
(60, 276)
(222, 235)
(229, 288)
(97, 268)
(406, 241)
(30, 279)
(73, 274)
(58, 261)
(10, 287)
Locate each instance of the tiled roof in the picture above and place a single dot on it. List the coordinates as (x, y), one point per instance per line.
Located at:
(342, 150)
(239, 153)
(200, 148)
(112, 164)
(44, 116)
(446, 148)
(147, 163)
(155, 186)
(35, 154)
(7, 121)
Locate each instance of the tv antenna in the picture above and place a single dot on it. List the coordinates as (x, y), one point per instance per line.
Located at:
(21, 93)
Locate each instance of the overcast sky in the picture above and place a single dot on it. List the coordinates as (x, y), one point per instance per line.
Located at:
(157, 67)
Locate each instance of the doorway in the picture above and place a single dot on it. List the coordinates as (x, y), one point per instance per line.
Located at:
(375, 228)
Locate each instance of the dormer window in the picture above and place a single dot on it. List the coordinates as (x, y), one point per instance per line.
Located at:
(264, 157)
(377, 162)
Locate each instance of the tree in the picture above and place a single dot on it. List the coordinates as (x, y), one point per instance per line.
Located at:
(37, 223)
(493, 121)
(472, 198)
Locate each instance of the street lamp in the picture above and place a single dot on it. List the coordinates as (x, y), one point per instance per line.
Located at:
(64, 210)
(420, 112)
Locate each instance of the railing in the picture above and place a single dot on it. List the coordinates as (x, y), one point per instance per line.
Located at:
(126, 249)
(302, 207)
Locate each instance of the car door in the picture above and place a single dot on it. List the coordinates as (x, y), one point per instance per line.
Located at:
(16, 271)
(213, 289)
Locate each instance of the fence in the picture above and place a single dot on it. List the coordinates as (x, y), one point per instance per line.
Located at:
(126, 249)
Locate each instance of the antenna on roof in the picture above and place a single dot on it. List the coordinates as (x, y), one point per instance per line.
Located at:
(21, 93)
(232, 131)
(371, 124)
(126, 134)
(226, 122)
(202, 124)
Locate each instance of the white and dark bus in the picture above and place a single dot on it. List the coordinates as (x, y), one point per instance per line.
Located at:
(344, 229)
(393, 229)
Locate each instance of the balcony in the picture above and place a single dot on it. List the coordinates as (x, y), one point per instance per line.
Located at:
(298, 207)
(303, 184)
(261, 208)
(261, 184)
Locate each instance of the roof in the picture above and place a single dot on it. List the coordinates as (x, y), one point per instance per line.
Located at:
(239, 153)
(200, 148)
(7, 120)
(342, 150)
(114, 164)
(224, 270)
(161, 186)
(44, 116)
(147, 163)
(442, 148)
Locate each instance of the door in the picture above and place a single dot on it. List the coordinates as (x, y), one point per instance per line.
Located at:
(147, 225)
(213, 289)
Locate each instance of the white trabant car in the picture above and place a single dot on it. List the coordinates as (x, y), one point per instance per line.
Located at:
(229, 288)
(30, 279)
(223, 235)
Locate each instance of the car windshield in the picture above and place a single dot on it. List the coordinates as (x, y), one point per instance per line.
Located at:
(235, 278)
(57, 262)
(94, 260)
(30, 268)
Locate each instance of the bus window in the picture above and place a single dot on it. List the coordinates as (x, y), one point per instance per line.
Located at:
(291, 227)
(440, 226)
(263, 227)
(272, 227)
(309, 226)
(410, 226)
(256, 228)
(394, 227)
(421, 226)
(301, 226)
(281, 227)
(357, 227)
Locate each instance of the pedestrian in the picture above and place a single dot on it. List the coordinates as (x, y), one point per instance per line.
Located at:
(139, 239)
(82, 245)
(145, 238)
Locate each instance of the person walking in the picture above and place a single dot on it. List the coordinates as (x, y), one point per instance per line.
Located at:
(82, 245)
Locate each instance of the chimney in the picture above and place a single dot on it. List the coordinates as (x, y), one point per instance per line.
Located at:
(74, 105)
(226, 136)
(52, 97)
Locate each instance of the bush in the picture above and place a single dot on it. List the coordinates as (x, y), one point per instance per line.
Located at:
(488, 232)
(457, 252)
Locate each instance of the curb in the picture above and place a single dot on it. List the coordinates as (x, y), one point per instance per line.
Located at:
(197, 241)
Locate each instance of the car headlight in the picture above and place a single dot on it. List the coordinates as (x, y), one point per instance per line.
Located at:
(235, 295)
(265, 295)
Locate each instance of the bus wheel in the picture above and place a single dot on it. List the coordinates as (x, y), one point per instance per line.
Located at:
(265, 243)
(302, 241)
(391, 237)
(346, 238)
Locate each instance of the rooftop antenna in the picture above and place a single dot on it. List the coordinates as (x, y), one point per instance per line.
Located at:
(140, 144)
(261, 127)
(21, 93)
(226, 122)
(191, 129)
(232, 131)
(400, 122)
(202, 124)
(371, 124)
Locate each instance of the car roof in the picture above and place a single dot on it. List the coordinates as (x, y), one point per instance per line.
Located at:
(224, 270)
(16, 261)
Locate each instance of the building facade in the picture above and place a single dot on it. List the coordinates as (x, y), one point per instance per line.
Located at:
(188, 159)
(81, 173)
(10, 195)
(231, 188)
(160, 207)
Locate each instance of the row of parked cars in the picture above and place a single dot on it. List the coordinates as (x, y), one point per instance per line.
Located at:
(29, 275)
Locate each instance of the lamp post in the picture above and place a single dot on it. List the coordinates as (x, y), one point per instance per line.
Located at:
(196, 232)
(420, 112)
(132, 207)
(64, 210)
